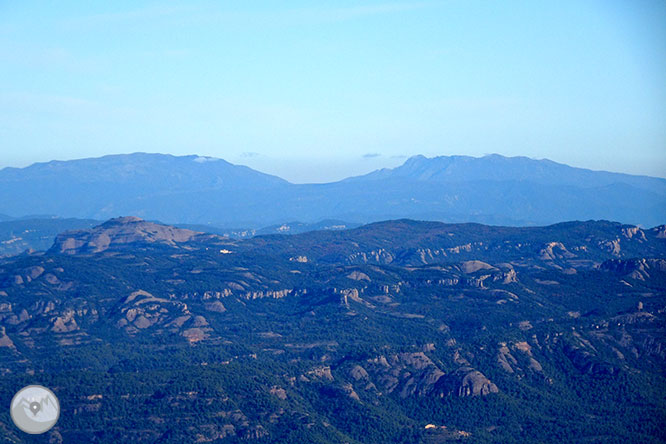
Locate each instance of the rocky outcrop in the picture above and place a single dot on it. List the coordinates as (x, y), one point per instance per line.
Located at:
(508, 276)
(523, 357)
(506, 360)
(320, 373)
(5, 341)
(631, 232)
(466, 382)
(278, 392)
(415, 374)
(358, 372)
(352, 294)
(611, 246)
(141, 311)
(586, 361)
(358, 276)
(474, 266)
(215, 306)
(641, 269)
(274, 294)
(659, 232)
(380, 256)
(65, 323)
(555, 250)
(120, 231)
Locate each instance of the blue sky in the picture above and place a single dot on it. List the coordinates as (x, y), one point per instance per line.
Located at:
(317, 91)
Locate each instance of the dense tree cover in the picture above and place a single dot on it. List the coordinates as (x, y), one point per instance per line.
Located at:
(353, 353)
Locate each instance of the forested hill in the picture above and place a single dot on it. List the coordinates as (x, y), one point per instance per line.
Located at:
(398, 331)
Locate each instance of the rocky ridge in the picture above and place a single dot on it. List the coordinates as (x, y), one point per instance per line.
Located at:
(124, 230)
(524, 311)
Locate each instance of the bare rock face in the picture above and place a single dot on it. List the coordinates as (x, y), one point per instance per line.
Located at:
(510, 364)
(660, 232)
(122, 230)
(466, 382)
(320, 373)
(641, 269)
(253, 433)
(5, 341)
(585, 360)
(34, 272)
(474, 266)
(506, 360)
(62, 326)
(278, 392)
(348, 390)
(194, 334)
(554, 250)
(64, 323)
(415, 374)
(358, 276)
(612, 246)
(141, 310)
(358, 372)
(508, 276)
(631, 232)
(215, 306)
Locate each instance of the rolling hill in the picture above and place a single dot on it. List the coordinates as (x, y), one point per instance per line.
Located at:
(397, 331)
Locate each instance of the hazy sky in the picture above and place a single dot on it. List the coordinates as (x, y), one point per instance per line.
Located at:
(316, 91)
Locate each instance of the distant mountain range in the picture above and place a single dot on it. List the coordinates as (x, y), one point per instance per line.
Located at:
(202, 190)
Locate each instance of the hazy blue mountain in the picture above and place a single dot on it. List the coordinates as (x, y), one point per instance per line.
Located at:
(156, 186)
(201, 190)
(499, 168)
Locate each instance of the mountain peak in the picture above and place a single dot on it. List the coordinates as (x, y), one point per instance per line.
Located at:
(122, 220)
(119, 231)
(496, 167)
(416, 159)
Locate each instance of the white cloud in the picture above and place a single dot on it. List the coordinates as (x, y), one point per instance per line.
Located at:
(202, 159)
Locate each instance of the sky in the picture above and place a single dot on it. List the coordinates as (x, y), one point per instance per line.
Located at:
(319, 91)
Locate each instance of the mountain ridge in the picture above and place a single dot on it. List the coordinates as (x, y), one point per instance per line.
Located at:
(123, 230)
(392, 241)
(456, 168)
(202, 190)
